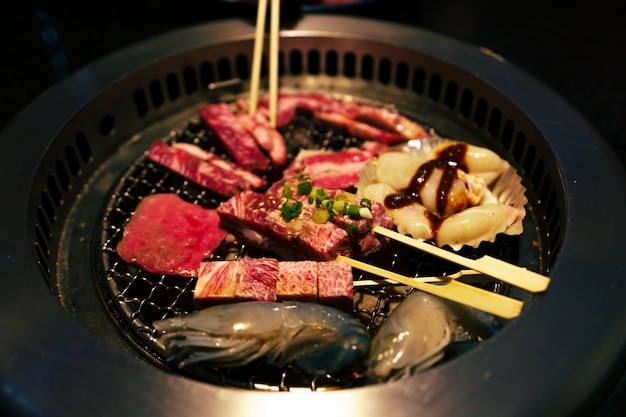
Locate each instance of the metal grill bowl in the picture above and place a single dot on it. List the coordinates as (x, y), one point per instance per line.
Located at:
(62, 353)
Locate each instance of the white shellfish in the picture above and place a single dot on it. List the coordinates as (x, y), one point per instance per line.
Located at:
(473, 206)
(412, 338)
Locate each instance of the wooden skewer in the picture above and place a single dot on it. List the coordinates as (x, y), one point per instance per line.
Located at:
(496, 268)
(450, 289)
(376, 271)
(257, 55)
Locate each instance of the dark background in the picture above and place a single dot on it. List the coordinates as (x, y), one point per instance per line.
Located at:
(576, 48)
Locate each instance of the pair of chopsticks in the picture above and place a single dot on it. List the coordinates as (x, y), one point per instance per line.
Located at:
(273, 58)
(449, 288)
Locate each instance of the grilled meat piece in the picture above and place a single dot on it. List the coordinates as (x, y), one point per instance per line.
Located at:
(241, 145)
(205, 168)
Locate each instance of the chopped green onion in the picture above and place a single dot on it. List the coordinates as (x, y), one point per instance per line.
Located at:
(327, 204)
(304, 188)
(302, 176)
(320, 216)
(353, 210)
(365, 213)
(346, 196)
(291, 210)
(366, 203)
(286, 191)
(338, 206)
(351, 229)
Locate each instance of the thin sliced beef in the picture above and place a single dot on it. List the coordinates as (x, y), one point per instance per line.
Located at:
(205, 168)
(239, 143)
(289, 102)
(334, 169)
(167, 235)
(359, 129)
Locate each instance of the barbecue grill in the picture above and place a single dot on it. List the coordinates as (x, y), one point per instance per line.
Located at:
(74, 148)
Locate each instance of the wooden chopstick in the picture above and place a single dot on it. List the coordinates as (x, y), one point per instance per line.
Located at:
(496, 268)
(274, 35)
(450, 289)
(257, 55)
(273, 58)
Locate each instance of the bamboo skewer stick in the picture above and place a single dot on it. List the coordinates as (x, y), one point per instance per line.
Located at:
(375, 282)
(450, 289)
(257, 55)
(496, 268)
(274, 36)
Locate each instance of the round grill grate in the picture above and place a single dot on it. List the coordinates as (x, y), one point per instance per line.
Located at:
(139, 297)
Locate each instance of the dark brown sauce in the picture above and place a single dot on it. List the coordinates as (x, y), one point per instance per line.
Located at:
(449, 159)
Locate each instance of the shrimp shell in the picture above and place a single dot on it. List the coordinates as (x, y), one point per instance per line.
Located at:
(315, 338)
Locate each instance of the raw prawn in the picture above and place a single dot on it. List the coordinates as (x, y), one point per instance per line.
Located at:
(412, 338)
(315, 338)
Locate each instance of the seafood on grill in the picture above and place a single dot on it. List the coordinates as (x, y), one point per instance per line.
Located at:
(411, 339)
(451, 192)
(315, 338)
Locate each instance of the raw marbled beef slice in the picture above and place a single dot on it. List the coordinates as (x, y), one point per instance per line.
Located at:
(335, 285)
(217, 284)
(297, 280)
(256, 279)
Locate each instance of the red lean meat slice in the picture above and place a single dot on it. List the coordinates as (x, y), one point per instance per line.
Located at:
(297, 280)
(256, 219)
(217, 284)
(256, 279)
(205, 168)
(238, 142)
(167, 235)
(334, 169)
(335, 286)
